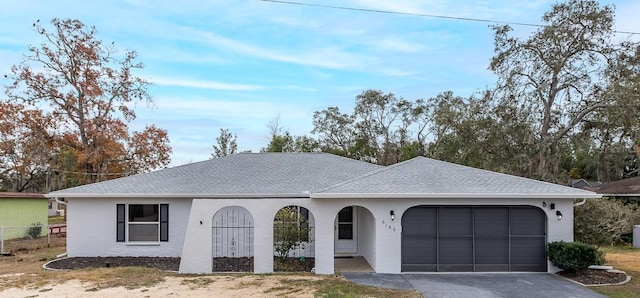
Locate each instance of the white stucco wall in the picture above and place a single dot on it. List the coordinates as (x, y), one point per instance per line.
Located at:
(91, 228)
(386, 257)
(367, 236)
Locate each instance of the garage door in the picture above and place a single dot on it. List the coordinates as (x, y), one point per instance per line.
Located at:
(480, 239)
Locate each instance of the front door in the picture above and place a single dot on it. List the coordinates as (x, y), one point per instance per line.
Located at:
(346, 228)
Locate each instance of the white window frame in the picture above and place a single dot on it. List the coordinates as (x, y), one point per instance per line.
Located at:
(130, 223)
(124, 225)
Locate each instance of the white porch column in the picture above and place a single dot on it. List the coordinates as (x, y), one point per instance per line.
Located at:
(263, 244)
(324, 244)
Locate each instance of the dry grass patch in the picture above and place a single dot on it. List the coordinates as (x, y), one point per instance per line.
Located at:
(24, 268)
(126, 277)
(195, 283)
(21, 275)
(626, 259)
(53, 220)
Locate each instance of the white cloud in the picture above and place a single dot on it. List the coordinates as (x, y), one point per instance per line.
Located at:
(327, 57)
(193, 107)
(396, 72)
(202, 84)
(395, 44)
(398, 5)
(300, 88)
(297, 23)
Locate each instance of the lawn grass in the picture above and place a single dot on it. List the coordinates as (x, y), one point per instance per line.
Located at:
(54, 220)
(24, 270)
(626, 259)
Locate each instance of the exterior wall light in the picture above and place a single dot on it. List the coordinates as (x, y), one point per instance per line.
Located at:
(393, 215)
(559, 214)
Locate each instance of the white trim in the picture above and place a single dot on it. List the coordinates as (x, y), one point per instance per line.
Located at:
(454, 195)
(307, 195)
(128, 223)
(148, 243)
(178, 195)
(620, 195)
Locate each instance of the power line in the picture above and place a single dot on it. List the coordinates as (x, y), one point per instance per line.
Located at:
(419, 14)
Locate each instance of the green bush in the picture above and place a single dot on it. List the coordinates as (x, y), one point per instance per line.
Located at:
(290, 229)
(574, 256)
(604, 221)
(35, 230)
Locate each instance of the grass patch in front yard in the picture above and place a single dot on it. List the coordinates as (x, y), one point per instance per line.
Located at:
(198, 282)
(24, 270)
(126, 277)
(627, 259)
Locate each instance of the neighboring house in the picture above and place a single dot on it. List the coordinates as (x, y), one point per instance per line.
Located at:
(628, 188)
(583, 184)
(55, 208)
(20, 211)
(417, 215)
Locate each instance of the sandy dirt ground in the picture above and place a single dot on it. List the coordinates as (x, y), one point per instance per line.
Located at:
(195, 286)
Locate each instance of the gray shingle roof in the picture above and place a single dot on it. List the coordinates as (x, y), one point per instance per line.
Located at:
(319, 175)
(429, 176)
(244, 173)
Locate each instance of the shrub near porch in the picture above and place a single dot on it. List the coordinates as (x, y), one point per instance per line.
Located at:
(292, 240)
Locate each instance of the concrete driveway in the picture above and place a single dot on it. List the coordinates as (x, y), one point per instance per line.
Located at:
(477, 285)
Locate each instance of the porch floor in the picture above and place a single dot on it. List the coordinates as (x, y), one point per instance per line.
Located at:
(354, 264)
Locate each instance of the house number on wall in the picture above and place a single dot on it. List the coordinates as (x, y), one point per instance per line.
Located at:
(388, 225)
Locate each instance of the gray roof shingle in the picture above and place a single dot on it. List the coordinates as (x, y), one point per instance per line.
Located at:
(318, 175)
(244, 173)
(422, 175)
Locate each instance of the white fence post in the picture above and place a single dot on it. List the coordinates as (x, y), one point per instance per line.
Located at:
(1, 239)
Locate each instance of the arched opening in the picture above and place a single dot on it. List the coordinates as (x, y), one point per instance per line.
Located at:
(293, 240)
(354, 240)
(232, 240)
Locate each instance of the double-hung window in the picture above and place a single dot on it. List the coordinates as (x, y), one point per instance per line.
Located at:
(142, 222)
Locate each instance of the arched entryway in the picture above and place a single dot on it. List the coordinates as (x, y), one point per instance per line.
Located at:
(474, 238)
(354, 239)
(293, 239)
(232, 240)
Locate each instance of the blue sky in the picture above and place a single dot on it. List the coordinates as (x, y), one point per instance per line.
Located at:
(238, 64)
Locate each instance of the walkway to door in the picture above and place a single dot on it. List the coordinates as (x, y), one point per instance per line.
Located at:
(351, 264)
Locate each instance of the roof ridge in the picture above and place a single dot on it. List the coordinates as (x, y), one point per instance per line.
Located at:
(374, 172)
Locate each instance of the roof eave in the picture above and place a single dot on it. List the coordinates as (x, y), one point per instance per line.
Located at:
(620, 195)
(177, 195)
(454, 196)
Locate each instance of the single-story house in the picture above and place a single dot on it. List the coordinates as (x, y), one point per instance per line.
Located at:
(22, 215)
(55, 208)
(628, 188)
(417, 215)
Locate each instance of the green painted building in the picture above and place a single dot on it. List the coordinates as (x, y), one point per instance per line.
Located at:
(21, 214)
